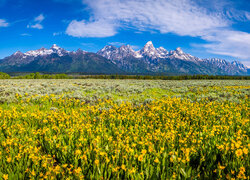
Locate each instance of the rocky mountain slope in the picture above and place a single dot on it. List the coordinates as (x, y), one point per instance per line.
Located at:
(113, 60)
(57, 60)
(159, 60)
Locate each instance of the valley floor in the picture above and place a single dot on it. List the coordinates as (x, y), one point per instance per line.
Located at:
(124, 129)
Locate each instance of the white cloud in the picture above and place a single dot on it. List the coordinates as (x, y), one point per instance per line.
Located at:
(57, 33)
(90, 29)
(247, 14)
(36, 23)
(26, 34)
(182, 17)
(39, 18)
(229, 42)
(3, 23)
(35, 26)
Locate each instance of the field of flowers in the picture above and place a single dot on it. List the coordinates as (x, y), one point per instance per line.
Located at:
(124, 129)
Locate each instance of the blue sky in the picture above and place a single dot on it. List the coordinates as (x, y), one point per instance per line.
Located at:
(203, 28)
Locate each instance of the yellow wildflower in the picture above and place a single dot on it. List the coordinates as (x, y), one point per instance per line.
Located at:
(156, 160)
(5, 176)
(239, 152)
(245, 150)
(140, 158)
(97, 162)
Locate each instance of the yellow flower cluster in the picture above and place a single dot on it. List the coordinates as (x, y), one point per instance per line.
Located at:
(60, 138)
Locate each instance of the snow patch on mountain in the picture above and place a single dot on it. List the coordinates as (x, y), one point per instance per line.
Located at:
(147, 52)
(43, 51)
(239, 65)
(113, 53)
(153, 57)
(179, 54)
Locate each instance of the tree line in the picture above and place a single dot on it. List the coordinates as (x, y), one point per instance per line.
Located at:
(38, 75)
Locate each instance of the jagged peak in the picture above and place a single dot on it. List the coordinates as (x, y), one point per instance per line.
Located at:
(149, 43)
(54, 46)
(239, 64)
(151, 58)
(236, 62)
(126, 47)
(42, 49)
(149, 47)
(161, 48)
(18, 52)
(108, 47)
(216, 59)
(79, 50)
(179, 50)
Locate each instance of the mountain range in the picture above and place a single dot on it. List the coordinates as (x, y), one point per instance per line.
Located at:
(122, 60)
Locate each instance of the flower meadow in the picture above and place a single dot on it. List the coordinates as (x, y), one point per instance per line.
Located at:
(124, 129)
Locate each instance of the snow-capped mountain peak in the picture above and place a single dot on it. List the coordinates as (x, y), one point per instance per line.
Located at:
(108, 48)
(43, 52)
(58, 50)
(126, 50)
(148, 47)
(179, 54)
(107, 51)
(149, 51)
(239, 65)
(54, 46)
(149, 44)
(162, 53)
(18, 53)
(39, 52)
(147, 60)
(161, 49)
(179, 51)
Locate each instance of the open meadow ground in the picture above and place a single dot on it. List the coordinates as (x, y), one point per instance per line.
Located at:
(124, 129)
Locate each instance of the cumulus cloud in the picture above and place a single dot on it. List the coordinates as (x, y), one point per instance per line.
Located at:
(3, 23)
(91, 29)
(36, 23)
